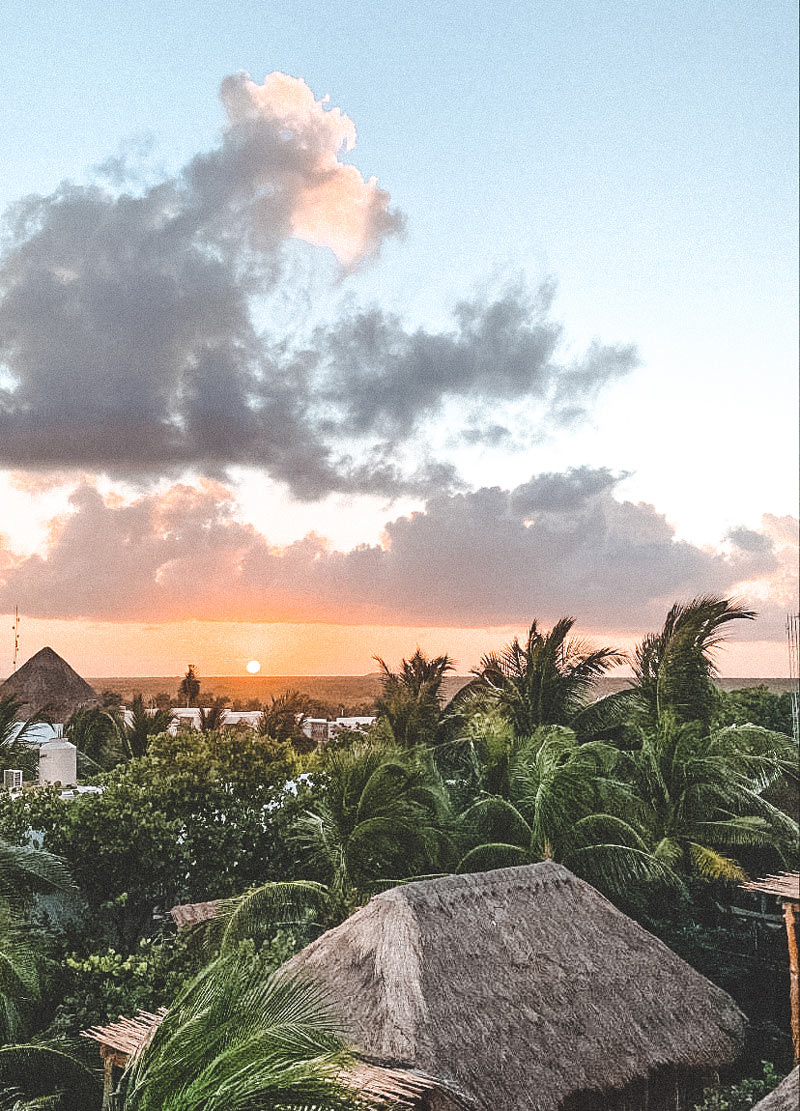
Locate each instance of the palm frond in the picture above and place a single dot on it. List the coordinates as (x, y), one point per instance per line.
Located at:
(50, 1073)
(712, 865)
(238, 1039)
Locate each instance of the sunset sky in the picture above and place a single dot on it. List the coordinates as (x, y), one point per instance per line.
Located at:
(327, 330)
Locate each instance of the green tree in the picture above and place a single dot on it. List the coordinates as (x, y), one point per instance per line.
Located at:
(212, 718)
(40, 1077)
(564, 803)
(284, 717)
(16, 733)
(23, 872)
(145, 722)
(755, 706)
(547, 680)
(199, 816)
(189, 688)
(411, 698)
(96, 734)
(380, 815)
(703, 796)
(673, 669)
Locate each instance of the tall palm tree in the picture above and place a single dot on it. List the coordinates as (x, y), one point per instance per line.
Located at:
(702, 795)
(239, 1039)
(411, 698)
(547, 680)
(564, 802)
(383, 815)
(673, 668)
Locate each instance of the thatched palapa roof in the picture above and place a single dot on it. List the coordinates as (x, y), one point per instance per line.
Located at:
(786, 1096)
(784, 885)
(47, 684)
(127, 1037)
(191, 914)
(518, 988)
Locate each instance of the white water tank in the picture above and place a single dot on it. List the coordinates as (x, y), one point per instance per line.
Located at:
(58, 762)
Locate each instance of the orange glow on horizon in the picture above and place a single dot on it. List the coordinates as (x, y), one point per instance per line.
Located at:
(97, 648)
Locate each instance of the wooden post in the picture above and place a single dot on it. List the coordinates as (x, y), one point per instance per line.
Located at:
(108, 1080)
(789, 914)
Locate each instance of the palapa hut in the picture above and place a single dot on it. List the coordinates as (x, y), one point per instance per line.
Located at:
(522, 989)
(47, 684)
(786, 1096)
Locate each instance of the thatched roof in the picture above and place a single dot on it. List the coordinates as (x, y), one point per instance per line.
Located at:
(785, 885)
(47, 684)
(518, 988)
(190, 914)
(126, 1037)
(786, 1096)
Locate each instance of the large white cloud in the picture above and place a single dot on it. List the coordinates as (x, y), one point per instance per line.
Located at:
(128, 341)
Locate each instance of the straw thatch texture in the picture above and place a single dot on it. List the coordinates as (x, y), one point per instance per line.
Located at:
(47, 684)
(191, 914)
(127, 1036)
(786, 1096)
(523, 988)
(388, 1088)
(785, 885)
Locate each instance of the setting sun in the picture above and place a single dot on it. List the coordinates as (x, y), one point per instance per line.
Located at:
(253, 667)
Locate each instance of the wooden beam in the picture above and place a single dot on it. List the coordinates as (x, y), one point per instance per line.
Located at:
(790, 917)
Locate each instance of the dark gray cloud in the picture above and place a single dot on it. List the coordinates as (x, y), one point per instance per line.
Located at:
(126, 322)
(502, 349)
(559, 544)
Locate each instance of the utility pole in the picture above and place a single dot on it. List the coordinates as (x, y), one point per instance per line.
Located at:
(793, 637)
(15, 631)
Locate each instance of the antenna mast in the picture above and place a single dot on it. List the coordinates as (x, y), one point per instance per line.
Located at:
(15, 631)
(793, 637)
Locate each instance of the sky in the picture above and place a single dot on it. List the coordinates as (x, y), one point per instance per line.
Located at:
(331, 330)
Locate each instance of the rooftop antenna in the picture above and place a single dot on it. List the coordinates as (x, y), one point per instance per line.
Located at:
(793, 637)
(15, 631)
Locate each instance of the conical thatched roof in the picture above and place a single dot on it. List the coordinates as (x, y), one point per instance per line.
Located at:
(518, 988)
(786, 1096)
(47, 684)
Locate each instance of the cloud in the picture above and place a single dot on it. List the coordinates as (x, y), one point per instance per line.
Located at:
(128, 342)
(560, 544)
(502, 349)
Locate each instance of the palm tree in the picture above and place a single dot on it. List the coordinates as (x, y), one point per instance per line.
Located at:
(411, 698)
(564, 803)
(383, 815)
(547, 680)
(702, 793)
(213, 717)
(41, 1077)
(16, 733)
(283, 718)
(190, 685)
(95, 734)
(23, 872)
(239, 1039)
(673, 668)
(145, 722)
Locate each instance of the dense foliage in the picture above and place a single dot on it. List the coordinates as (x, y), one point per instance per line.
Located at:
(663, 796)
